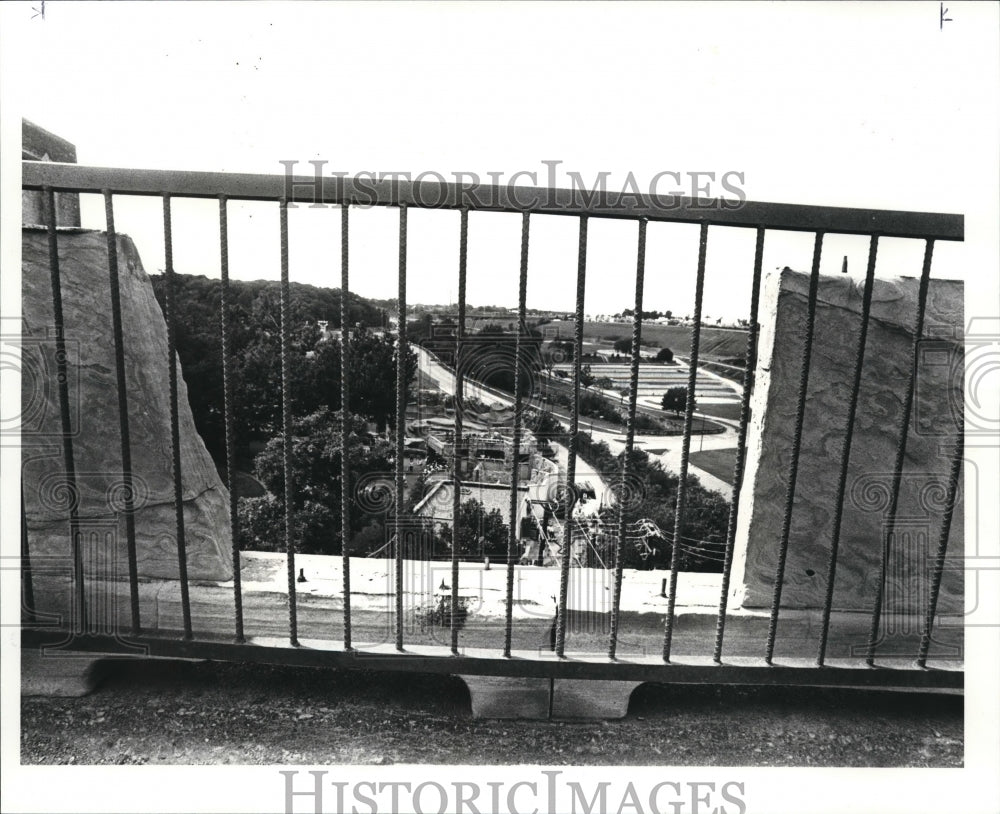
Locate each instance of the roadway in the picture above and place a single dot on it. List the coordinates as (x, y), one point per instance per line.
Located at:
(666, 449)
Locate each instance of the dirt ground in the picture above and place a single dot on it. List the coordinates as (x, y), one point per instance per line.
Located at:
(213, 713)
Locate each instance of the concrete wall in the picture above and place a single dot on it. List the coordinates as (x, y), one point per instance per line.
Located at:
(92, 384)
(38, 144)
(933, 429)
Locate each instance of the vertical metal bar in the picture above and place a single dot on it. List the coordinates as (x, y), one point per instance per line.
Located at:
(574, 432)
(942, 549)
(897, 472)
(79, 603)
(401, 353)
(227, 411)
(345, 414)
(845, 459)
(624, 491)
(27, 582)
(123, 420)
(668, 625)
(175, 437)
(286, 423)
(456, 503)
(793, 472)
(513, 531)
(741, 444)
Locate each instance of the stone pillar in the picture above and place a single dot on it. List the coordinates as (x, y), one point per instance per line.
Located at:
(932, 432)
(38, 144)
(92, 383)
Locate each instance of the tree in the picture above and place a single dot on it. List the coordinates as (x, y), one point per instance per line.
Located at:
(675, 399)
(623, 346)
(587, 378)
(665, 355)
(254, 318)
(559, 351)
(316, 496)
(654, 497)
(545, 426)
(480, 533)
(594, 405)
(373, 376)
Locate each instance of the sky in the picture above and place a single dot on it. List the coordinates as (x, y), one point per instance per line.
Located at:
(872, 105)
(864, 105)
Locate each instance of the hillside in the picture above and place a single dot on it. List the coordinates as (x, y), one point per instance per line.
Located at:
(255, 351)
(198, 298)
(718, 343)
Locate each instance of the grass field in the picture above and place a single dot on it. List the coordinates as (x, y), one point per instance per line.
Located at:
(718, 462)
(730, 411)
(715, 342)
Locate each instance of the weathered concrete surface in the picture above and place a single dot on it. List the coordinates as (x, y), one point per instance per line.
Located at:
(61, 675)
(92, 385)
(640, 635)
(38, 144)
(543, 698)
(503, 697)
(61, 672)
(590, 700)
(933, 429)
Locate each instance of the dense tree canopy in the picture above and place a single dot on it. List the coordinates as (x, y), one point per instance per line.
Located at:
(255, 353)
(652, 495)
(316, 497)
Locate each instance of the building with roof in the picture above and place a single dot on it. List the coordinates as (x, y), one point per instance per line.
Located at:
(438, 503)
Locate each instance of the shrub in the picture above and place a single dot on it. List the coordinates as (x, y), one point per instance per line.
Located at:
(645, 423)
(675, 399)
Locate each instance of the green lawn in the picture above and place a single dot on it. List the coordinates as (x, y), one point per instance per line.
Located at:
(718, 342)
(718, 462)
(730, 410)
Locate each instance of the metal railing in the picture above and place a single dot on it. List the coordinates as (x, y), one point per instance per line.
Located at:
(281, 191)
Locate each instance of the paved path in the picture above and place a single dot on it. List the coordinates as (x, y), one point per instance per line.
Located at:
(444, 378)
(585, 472)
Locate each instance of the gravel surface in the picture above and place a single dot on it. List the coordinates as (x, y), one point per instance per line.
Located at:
(210, 713)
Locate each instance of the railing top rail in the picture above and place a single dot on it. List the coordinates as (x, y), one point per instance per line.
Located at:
(306, 190)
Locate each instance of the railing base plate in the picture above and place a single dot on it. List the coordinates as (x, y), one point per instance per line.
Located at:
(509, 696)
(544, 699)
(69, 675)
(590, 700)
